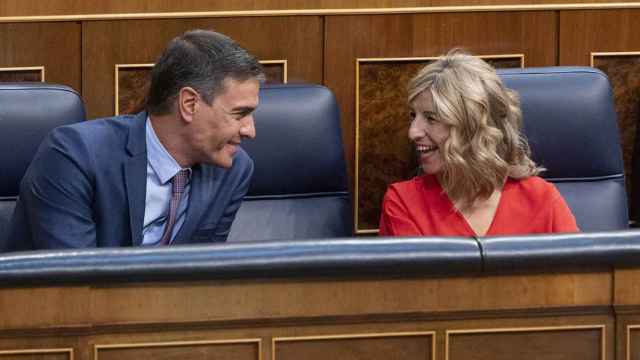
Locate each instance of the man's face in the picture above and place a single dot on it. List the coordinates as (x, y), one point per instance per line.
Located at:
(218, 129)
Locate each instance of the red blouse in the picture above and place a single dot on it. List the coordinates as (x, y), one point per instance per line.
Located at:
(420, 207)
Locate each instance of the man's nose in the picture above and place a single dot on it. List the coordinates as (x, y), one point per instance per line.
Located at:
(248, 129)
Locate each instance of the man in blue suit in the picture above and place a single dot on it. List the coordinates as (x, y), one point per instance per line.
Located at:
(173, 174)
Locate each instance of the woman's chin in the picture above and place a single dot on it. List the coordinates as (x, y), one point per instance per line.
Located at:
(431, 169)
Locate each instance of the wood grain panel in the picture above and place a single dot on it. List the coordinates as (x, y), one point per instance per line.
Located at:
(227, 301)
(564, 343)
(219, 350)
(37, 354)
(422, 35)
(383, 150)
(66, 7)
(299, 41)
(43, 306)
(585, 32)
(33, 74)
(370, 347)
(76, 7)
(627, 288)
(633, 342)
(54, 46)
(199, 319)
(133, 81)
(30, 356)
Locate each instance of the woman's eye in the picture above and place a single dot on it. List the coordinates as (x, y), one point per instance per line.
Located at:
(412, 115)
(431, 119)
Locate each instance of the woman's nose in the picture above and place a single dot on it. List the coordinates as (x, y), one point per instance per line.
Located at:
(416, 130)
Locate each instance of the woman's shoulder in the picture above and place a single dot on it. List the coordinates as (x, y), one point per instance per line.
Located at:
(534, 187)
(418, 185)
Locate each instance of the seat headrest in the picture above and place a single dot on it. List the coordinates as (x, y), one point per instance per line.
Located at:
(28, 111)
(569, 120)
(298, 144)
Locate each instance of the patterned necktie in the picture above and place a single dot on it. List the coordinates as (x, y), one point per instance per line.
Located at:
(178, 183)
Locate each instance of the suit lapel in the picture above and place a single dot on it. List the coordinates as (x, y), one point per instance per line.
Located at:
(135, 175)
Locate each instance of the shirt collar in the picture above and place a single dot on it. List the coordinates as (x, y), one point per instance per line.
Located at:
(162, 163)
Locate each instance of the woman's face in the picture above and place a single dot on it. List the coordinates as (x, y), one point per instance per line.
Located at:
(427, 133)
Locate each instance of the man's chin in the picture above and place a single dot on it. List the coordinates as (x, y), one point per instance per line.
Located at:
(225, 163)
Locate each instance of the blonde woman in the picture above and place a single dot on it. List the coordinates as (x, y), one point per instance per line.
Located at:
(478, 178)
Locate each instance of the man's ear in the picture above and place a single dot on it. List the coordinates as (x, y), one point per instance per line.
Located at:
(187, 103)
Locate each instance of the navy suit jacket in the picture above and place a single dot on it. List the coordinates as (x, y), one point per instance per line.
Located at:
(86, 187)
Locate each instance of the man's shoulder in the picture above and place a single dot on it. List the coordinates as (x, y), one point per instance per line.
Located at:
(97, 127)
(96, 133)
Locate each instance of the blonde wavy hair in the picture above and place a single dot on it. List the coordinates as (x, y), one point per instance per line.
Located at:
(485, 145)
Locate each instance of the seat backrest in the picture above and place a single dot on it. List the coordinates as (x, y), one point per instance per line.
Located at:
(570, 122)
(299, 186)
(28, 111)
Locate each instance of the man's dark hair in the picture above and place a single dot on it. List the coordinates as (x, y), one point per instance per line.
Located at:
(202, 60)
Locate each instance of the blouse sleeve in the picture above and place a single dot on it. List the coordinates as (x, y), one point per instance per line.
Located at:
(563, 219)
(395, 219)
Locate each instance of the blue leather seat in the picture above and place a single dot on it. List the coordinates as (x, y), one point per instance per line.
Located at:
(570, 121)
(299, 187)
(28, 111)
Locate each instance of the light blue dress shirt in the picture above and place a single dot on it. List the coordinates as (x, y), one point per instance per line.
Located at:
(161, 167)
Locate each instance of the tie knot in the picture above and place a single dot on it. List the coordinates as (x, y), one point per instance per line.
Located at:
(179, 181)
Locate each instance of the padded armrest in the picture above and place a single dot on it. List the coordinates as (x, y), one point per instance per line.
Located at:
(347, 257)
(540, 252)
(384, 257)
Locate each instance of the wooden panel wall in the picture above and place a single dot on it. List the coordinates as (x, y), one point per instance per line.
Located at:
(326, 49)
(299, 41)
(79, 7)
(544, 316)
(52, 46)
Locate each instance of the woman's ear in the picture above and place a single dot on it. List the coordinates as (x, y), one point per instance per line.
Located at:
(188, 99)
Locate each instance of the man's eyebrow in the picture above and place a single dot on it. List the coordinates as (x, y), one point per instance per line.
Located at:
(243, 109)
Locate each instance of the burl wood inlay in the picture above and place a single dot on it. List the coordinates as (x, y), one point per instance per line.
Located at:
(133, 85)
(385, 154)
(27, 354)
(274, 73)
(387, 348)
(247, 351)
(583, 344)
(20, 75)
(34, 357)
(624, 75)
